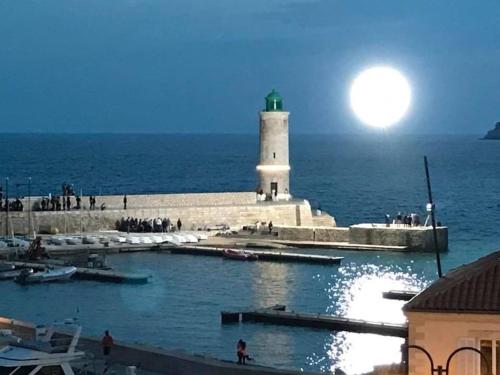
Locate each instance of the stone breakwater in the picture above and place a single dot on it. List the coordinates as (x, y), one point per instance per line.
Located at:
(378, 236)
(195, 210)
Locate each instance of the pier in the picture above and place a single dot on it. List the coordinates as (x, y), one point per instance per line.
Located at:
(91, 273)
(274, 256)
(278, 315)
(400, 295)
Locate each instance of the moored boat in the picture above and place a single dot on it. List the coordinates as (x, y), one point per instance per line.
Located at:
(49, 275)
(49, 352)
(8, 275)
(238, 254)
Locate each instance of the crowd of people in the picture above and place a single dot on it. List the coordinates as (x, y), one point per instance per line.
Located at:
(11, 204)
(157, 225)
(408, 220)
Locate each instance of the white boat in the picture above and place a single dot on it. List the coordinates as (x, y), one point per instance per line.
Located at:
(72, 241)
(166, 237)
(146, 240)
(157, 239)
(191, 238)
(89, 240)
(55, 241)
(118, 239)
(54, 274)
(133, 240)
(179, 238)
(49, 350)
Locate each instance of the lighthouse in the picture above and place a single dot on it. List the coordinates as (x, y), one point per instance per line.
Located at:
(274, 166)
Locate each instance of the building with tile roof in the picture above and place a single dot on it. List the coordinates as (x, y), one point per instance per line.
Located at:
(460, 309)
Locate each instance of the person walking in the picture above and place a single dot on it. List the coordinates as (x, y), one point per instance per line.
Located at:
(270, 226)
(124, 202)
(179, 224)
(107, 344)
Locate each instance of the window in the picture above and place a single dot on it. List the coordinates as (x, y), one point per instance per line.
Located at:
(491, 350)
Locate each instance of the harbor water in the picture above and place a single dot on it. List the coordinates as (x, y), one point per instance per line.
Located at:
(354, 179)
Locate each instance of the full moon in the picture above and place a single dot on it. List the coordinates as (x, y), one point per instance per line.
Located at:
(380, 96)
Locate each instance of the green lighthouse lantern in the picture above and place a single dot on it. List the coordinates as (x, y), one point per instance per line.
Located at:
(274, 102)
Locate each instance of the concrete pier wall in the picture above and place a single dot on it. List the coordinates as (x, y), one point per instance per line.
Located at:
(198, 210)
(414, 238)
(136, 201)
(310, 233)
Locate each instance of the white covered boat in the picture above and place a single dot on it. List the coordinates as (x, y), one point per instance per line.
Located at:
(190, 238)
(179, 238)
(133, 240)
(49, 275)
(48, 352)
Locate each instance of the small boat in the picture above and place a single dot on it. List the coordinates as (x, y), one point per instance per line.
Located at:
(133, 240)
(54, 274)
(238, 254)
(89, 240)
(191, 238)
(179, 238)
(6, 267)
(8, 275)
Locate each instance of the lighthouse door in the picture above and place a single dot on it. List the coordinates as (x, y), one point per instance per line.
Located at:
(274, 188)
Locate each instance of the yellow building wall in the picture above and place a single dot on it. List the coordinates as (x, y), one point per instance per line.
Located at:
(441, 333)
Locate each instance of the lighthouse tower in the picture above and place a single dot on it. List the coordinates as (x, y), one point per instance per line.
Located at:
(274, 166)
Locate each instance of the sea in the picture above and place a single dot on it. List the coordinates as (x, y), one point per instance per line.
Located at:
(354, 178)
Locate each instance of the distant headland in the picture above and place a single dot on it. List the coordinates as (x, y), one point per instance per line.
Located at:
(493, 133)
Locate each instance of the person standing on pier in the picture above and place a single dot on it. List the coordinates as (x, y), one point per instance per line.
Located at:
(68, 203)
(124, 202)
(107, 344)
(239, 351)
(78, 202)
(179, 224)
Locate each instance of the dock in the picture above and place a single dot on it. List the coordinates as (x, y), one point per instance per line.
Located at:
(400, 295)
(278, 315)
(340, 245)
(273, 256)
(91, 273)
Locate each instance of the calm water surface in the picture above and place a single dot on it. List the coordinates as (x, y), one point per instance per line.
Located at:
(356, 180)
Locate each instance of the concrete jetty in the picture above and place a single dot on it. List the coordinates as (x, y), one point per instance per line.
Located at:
(91, 273)
(280, 317)
(400, 295)
(274, 256)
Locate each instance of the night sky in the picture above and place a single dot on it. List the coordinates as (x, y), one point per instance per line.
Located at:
(201, 66)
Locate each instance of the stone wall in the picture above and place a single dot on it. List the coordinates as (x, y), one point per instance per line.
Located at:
(161, 200)
(192, 217)
(415, 238)
(310, 233)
